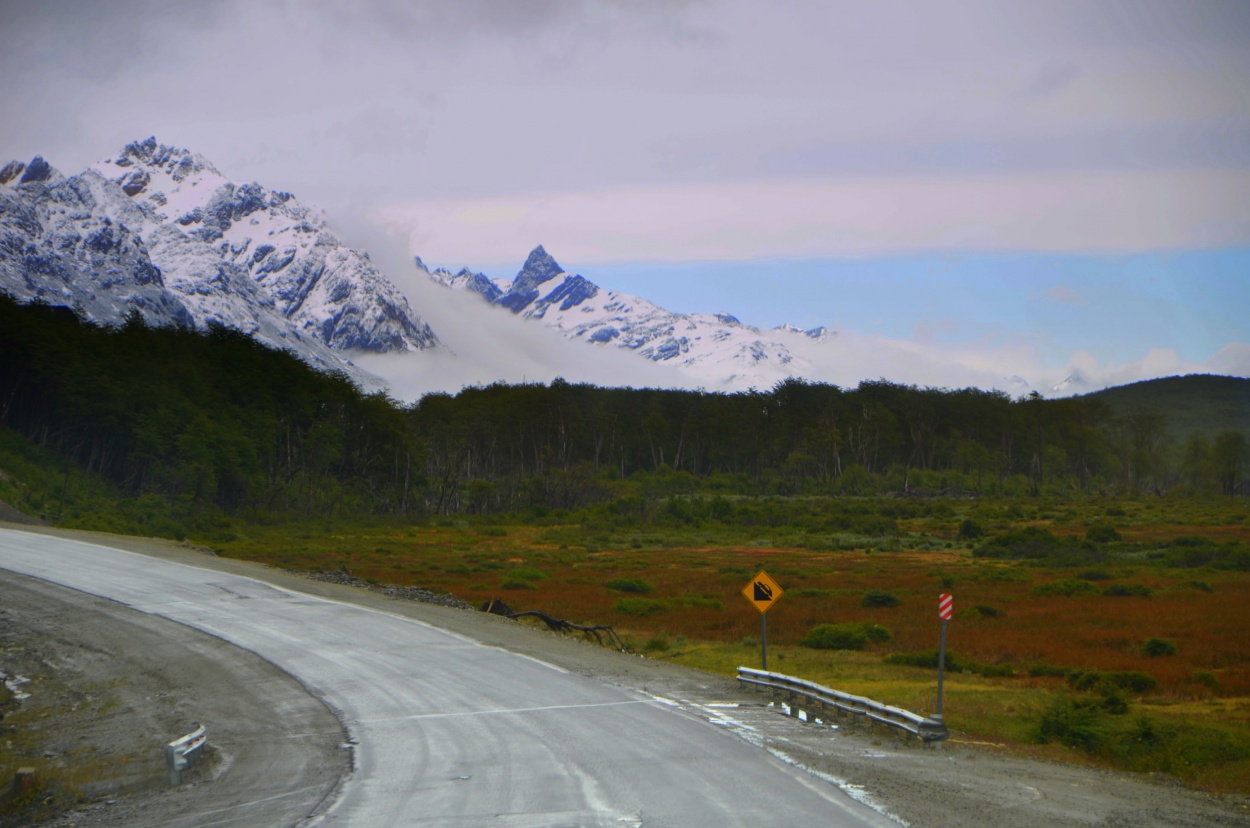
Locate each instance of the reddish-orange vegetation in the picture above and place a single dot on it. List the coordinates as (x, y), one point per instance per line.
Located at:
(1000, 618)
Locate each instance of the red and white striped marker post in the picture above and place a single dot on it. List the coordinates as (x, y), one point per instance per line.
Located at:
(946, 608)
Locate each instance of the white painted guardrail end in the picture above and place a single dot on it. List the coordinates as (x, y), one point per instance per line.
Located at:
(180, 753)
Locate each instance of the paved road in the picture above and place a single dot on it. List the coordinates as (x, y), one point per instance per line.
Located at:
(453, 733)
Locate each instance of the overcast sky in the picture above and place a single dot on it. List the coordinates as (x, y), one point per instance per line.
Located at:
(1071, 176)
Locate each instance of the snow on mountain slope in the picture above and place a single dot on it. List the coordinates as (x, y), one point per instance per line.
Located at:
(60, 245)
(208, 225)
(160, 230)
(717, 350)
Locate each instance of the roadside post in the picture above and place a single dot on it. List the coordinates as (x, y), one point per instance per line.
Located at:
(946, 606)
(763, 592)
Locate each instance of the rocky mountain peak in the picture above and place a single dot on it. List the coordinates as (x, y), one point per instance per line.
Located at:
(175, 162)
(539, 267)
(37, 171)
(158, 229)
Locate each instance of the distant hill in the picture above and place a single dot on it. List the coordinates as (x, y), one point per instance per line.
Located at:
(1195, 403)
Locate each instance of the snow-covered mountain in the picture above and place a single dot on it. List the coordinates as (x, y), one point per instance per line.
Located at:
(160, 230)
(716, 349)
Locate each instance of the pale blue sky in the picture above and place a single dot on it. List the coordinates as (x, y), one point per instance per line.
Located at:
(1117, 308)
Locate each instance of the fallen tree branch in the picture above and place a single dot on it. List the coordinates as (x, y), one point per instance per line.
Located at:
(599, 631)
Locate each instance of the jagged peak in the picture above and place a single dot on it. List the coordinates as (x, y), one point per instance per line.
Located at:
(177, 162)
(540, 266)
(818, 333)
(11, 171)
(37, 171)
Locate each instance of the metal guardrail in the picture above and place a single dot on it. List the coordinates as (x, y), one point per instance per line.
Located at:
(819, 698)
(181, 752)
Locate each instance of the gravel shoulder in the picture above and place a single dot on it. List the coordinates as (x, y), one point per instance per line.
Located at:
(960, 784)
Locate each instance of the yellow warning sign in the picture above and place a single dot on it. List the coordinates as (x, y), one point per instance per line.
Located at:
(762, 592)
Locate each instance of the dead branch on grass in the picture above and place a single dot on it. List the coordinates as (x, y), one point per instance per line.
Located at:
(599, 631)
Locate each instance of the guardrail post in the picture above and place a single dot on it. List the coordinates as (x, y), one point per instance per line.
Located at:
(24, 780)
(175, 763)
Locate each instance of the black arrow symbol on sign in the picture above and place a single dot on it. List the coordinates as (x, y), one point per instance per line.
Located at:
(763, 592)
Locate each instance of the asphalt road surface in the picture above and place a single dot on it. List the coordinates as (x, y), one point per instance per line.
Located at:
(448, 731)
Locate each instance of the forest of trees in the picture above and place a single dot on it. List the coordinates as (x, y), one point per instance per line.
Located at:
(216, 419)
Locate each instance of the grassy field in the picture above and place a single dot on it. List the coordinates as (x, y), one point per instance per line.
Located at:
(1136, 658)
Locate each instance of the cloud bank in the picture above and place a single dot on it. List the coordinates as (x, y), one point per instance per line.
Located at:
(1088, 212)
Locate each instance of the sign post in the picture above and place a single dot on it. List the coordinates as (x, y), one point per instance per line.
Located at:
(763, 592)
(946, 606)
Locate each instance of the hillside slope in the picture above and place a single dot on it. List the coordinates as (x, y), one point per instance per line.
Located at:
(1197, 403)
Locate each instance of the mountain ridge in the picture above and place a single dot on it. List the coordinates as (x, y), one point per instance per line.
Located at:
(716, 348)
(158, 229)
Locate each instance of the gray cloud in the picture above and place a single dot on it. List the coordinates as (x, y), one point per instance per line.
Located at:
(508, 97)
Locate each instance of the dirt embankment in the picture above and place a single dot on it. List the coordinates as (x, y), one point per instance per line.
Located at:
(961, 784)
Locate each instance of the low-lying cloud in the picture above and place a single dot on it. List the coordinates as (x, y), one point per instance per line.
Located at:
(483, 344)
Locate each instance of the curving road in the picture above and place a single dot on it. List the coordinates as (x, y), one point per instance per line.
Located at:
(450, 732)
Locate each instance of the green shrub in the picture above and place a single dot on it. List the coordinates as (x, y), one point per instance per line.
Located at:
(515, 583)
(640, 607)
(1095, 575)
(835, 637)
(986, 611)
(929, 659)
(1102, 534)
(1206, 678)
(1034, 543)
(1039, 670)
(996, 670)
(1114, 702)
(659, 644)
(1068, 588)
(633, 585)
(1072, 722)
(877, 598)
(1194, 552)
(1029, 542)
(706, 601)
(1131, 681)
(850, 636)
(1132, 590)
(1156, 647)
(527, 573)
(970, 530)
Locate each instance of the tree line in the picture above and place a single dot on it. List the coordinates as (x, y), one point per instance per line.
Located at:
(215, 419)
(499, 446)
